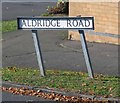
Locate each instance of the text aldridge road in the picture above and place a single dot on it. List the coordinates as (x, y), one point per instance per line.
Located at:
(55, 23)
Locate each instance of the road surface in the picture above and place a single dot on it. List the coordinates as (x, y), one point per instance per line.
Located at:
(58, 53)
(11, 10)
(7, 97)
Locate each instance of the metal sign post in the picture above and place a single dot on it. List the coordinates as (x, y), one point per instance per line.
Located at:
(86, 54)
(38, 52)
(53, 23)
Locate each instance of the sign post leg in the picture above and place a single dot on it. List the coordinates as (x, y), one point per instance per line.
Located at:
(86, 54)
(38, 52)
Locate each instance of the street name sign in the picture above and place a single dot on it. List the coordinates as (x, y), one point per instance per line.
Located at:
(58, 23)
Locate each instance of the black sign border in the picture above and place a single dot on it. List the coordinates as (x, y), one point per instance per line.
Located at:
(56, 18)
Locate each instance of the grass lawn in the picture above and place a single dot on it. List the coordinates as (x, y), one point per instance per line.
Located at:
(8, 26)
(79, 82)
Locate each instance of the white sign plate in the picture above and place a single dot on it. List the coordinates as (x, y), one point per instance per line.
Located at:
(80, 23)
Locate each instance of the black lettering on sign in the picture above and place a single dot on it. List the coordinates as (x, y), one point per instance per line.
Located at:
(87, 23)
(23, 23)
(75, 23)
(69, 23)
(47, 23)
(28, 22)
(43, 23)
(58, 23)
(55, 23)
(34, 23)
(52, 23)
(81, 23)
(39, 23)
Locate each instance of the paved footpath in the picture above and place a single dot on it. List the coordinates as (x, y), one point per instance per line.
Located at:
(58, 53)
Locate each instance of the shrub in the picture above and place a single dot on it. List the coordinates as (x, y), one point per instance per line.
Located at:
(60, 8)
